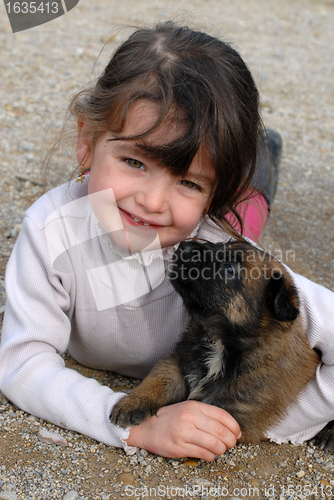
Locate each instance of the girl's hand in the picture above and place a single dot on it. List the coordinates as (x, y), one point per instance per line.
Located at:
(187, 429)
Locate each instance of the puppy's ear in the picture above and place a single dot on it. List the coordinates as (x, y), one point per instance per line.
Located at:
(282, 298)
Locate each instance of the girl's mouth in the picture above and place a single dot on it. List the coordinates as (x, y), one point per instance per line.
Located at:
(134, 221)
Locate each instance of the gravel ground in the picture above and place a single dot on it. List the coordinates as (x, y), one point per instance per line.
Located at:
(289, 47)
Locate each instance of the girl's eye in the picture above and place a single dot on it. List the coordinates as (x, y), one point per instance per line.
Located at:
(189, 184)
(134, 163)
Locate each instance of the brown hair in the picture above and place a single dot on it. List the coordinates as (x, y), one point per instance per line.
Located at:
(199, 80)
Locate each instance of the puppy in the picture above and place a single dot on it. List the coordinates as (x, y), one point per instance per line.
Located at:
(244, 349)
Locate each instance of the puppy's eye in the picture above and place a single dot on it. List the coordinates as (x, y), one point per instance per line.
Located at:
(229, 270)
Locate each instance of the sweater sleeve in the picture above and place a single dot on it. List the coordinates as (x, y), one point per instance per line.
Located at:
(314, 407)
(36, 332)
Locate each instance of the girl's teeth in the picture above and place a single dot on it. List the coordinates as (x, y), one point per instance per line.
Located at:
(138, 220)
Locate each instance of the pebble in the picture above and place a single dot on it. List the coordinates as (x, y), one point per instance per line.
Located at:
(8, 495)
(26, 146)
(202, 483)
(51, 437)
(191, 463)
(3, 398)
(126, 478)
(32, 418)
(71, 495)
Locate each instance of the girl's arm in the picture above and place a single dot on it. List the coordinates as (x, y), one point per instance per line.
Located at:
(315, 405)
(36, 332)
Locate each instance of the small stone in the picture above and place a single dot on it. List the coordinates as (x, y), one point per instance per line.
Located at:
(32, 418)
(51, 437)
(8, 495)
(202, 483)
(148, 469)
(191, 463)
(300, 474)
(229, 462)
(71, 495)
(27, 146)
(3, 398)
(324, 482)
(126, 478)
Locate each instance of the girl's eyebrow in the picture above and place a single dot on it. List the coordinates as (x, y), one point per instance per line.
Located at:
(136, 148)
(130, 147)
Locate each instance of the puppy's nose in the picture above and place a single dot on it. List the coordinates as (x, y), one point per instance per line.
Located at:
(185, 250)
(185, 246)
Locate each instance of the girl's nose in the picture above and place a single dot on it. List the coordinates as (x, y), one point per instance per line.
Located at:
(153, 197)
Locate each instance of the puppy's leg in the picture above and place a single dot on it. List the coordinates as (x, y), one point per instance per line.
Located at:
(163, 386)
(325, 438)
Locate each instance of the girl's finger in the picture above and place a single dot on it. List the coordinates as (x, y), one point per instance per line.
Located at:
(214, 436)
(224, 418)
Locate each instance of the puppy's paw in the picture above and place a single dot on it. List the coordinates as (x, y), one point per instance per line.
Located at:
(132, 411)
(325, 438)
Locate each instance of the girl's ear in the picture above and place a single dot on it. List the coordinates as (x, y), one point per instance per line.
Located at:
(84, 139)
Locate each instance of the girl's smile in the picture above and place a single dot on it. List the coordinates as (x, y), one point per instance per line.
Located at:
(132, 220)
(148, 197)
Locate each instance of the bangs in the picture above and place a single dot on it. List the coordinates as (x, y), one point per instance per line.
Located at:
(176, 156)
(177, 110)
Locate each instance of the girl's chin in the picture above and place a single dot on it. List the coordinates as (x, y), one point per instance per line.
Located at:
(135, 239)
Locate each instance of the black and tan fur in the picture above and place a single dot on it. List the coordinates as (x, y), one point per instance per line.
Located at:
(245, 347)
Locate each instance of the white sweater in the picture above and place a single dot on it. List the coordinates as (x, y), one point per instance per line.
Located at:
(66, 286)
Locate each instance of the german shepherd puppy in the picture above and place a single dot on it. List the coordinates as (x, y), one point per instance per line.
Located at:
(245, 347)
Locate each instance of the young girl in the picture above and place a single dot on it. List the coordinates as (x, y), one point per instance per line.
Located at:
(169, 134)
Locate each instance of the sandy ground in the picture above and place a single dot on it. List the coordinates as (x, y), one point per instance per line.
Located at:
(289, 47)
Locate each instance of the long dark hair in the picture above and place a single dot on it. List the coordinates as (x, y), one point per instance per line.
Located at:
(199, 80)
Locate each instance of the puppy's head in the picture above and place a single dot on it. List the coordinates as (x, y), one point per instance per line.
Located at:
(236, 280)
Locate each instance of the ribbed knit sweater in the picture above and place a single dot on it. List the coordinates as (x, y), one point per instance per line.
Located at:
(70, 287)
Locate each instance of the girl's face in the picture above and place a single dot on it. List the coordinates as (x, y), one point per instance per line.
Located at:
(151, 201)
